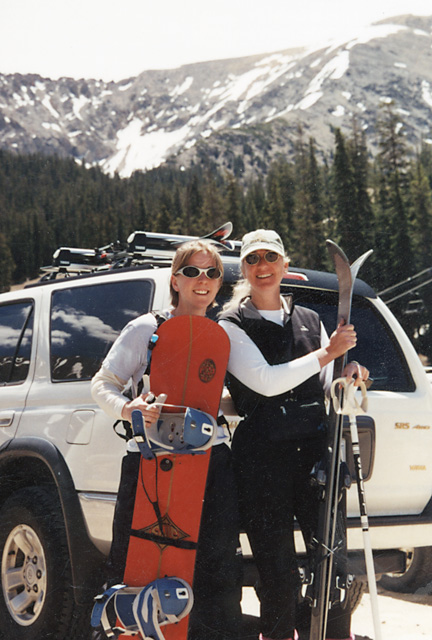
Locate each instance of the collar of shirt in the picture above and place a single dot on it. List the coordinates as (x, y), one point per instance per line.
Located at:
(250, 311)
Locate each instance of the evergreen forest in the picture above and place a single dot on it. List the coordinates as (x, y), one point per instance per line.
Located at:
(381, 202)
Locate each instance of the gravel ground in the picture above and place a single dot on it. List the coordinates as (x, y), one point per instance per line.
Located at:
(402, 616)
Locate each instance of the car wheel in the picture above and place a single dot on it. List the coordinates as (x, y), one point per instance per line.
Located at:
(357, 590)
(36, 599)
(418, 573)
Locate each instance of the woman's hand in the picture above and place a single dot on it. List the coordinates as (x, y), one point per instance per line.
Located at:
(341, 340)
(144, 403)
(355, 371)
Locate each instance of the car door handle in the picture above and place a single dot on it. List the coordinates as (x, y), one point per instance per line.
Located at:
(6, 419)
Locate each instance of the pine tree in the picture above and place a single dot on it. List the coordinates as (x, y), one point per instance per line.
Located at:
(234, 204)
(213, 206)
(345, 197)
(421, 203)
(193, 204)
(255, 204)
(393, 166)
(7, 265)
(308, 242)
(275, 213)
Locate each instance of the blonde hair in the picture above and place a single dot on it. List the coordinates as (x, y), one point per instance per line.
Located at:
(241, 290)
(182, 256)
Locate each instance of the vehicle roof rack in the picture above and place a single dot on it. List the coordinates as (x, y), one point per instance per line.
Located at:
(146, 243)
(143, 249)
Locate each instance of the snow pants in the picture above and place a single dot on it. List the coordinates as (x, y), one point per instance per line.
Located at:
(216, 614)
(274, 487)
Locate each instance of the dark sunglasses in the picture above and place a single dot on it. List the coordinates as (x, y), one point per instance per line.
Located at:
(269, 256)
(213, 273)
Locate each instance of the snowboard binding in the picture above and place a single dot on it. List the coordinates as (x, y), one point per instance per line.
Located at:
(190, 431)
(143, 610)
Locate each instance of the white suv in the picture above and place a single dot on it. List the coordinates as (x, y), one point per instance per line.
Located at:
(60, 456)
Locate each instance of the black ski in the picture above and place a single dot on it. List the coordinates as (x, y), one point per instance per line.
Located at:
(320, 589)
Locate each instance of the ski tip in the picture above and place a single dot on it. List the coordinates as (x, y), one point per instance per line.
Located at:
(335, 250)
(221, 233)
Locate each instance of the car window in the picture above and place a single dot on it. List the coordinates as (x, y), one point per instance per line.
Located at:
(86, 320)
(377, 348)
(16, 331)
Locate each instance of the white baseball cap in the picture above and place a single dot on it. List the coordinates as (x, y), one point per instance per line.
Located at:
(261, 239)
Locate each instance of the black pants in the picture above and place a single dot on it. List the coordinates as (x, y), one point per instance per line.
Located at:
(274, 488)
(216, 614)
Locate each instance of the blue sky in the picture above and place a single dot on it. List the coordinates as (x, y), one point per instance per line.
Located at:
(116, 40)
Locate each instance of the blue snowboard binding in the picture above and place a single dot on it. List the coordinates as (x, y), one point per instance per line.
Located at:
(143, 610)
(191, 431)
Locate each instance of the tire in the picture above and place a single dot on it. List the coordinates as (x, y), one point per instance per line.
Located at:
(417, 575)
(36, 599)
(356, 591)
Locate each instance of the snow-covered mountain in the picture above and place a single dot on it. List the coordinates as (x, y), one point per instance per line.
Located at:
(247, 108)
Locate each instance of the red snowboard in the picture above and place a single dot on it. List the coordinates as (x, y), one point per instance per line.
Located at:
(188, 364)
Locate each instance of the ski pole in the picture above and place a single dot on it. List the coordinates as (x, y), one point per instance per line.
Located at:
(351, 407)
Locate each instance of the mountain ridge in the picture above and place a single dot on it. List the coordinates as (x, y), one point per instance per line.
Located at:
(244, 109)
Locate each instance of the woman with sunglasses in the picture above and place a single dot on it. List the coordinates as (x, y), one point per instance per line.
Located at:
(196, 277)
(280, 365)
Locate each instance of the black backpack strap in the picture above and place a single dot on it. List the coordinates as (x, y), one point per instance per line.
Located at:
(128, 433)
(160, 317)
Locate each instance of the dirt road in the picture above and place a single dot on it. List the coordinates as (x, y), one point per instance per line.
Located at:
(402, 616)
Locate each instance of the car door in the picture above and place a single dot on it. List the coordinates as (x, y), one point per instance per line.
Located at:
(17, 359)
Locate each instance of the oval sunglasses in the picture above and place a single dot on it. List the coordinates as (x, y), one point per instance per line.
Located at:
(269, 256)
(213, 273)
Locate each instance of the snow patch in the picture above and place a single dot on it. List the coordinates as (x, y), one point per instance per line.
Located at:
(242, 89)
(334, 69)
(400, 65)
(347, 95)
(309, 100)
(47, 104)
(366, 34)
(179, 90)
(51, 126)
(137, 150)
(426, 93)
(421, 32)
(289, 108)
(78, 104)
(125, 87)
(23, 100)
(339, 111)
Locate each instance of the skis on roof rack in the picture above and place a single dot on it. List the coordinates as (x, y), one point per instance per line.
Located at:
(162, 245)
(143, 248)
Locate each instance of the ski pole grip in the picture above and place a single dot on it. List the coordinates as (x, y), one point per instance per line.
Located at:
(350, 404)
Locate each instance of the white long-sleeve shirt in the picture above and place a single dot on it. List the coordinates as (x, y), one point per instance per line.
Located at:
(248, 365)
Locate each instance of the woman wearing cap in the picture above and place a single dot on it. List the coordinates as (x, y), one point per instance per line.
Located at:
(196, 276)
(280, 365)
